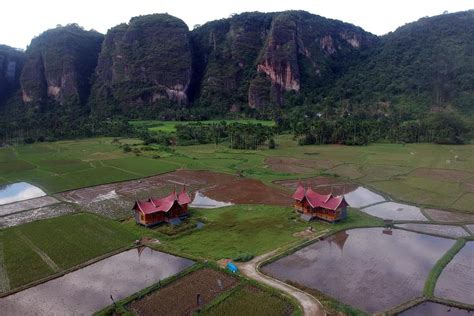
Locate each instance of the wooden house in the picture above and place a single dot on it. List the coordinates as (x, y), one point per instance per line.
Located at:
(154, 211)
(313, 205)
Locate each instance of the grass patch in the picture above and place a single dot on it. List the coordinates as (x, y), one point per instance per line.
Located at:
(234, 230)
(439, 266)
(331, 305)
(242, 231)
(248, 300)
(68, 240)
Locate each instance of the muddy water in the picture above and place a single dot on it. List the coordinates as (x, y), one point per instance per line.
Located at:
(19, 192)
(361, 197)
(87, 290)
(435, 309)
(456, 282)
(365, 268)
(395, 211)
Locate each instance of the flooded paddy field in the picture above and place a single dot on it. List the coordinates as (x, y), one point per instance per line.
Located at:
(20, 191)
(449, 217)
(365, 268)
(179, 297)
(470, 228)
(395, 211)
(89, 289)
(443, 230)
(28, 216)
(361, 197)
(16, 207)
(435, 309)
(456, 282)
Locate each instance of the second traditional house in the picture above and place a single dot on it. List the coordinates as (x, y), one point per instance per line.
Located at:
(313, 205)
(170, 209)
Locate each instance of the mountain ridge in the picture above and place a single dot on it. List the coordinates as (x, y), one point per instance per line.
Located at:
(249, 62)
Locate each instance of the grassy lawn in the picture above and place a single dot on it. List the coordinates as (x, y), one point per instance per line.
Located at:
(244, 229)
(67, 241)
(248, 300)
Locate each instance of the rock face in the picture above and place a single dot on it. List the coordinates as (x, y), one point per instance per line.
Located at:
(146, 62)
(59, 64)
(155, 65)
(11, 64)
(258, 59)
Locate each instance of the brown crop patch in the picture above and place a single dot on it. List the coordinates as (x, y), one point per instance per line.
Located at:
(219, 186)
(249, 191)
(180, 297)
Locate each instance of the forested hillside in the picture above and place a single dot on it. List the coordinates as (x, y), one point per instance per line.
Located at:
(289, 66)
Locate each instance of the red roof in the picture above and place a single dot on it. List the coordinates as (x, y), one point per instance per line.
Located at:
(315, 199)
(164, 204)
(299, 193)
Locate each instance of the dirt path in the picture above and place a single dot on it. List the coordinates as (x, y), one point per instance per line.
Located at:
(40, 252)
(311, 306)
(4, 281)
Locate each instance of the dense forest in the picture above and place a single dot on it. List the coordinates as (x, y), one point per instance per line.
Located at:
(324, 80)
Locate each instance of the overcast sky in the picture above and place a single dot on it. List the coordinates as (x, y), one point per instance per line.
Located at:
(21, 20)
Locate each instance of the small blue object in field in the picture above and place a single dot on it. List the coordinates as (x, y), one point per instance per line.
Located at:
(232, 268)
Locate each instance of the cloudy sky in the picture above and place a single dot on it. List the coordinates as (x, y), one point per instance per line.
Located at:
(23, 19)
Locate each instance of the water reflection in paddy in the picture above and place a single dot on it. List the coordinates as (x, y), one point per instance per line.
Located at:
(365, 267)
(456, 282)
(361, 197)
(20, 191)
(395, 211)
(87, 290)
(435, 309)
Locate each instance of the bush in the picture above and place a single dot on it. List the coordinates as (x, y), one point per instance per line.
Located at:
(243, 257)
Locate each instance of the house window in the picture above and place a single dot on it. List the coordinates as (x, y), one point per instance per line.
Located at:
(142, 217)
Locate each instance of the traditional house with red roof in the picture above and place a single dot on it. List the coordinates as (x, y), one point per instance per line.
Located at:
(167, 209)
(312, 205)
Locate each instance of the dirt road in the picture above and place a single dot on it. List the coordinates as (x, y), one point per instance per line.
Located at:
(311, 306)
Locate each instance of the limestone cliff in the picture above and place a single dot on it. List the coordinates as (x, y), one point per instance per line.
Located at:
(146, 62)
(59, 64)
(11, 64)
(258, 59)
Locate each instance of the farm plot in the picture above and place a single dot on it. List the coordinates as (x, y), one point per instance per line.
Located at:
(45, 212)
(41, 248)
(355, 266)
(117, 276)
(116, 199)
(435, 309)
(395, 211)
(296, 165)
(448, 217)
(249, 300)
(456, 282)
(470, 228)
(179, 297)
(323, 185)
(11, 208)
(442, 230)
